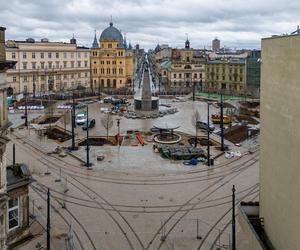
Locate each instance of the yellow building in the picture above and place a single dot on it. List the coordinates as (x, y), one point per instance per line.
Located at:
(111, 62)
(228, 75)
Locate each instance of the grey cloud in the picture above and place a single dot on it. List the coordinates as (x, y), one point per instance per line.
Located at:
(237, 23)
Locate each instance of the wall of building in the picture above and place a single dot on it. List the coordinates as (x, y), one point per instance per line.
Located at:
(63, 65)
(280, 141)
(111, 67)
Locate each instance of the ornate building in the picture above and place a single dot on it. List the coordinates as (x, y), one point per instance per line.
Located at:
(111, 61)
(43, 66)
(185, 68)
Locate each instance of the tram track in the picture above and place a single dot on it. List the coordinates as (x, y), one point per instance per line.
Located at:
(69, 169)
(222, 182)
(91, 194)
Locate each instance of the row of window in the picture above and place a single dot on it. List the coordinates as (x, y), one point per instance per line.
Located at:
(57, 77)
(223, 70)
(109, 71)
(57, 65)
(187, 75)
(108, 83)
(108, 62)
(42, 55)
(120, 53)
(235, 78)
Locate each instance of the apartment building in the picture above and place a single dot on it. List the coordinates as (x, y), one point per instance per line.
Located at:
(44, 66)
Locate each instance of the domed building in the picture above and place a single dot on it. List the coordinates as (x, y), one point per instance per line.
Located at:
(111, 61)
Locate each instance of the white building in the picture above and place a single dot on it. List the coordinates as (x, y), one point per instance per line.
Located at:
(43, 66)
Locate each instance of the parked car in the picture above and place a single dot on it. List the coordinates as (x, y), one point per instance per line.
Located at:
(203, 125)
(108, 99)
(89, 124)
(80, 118)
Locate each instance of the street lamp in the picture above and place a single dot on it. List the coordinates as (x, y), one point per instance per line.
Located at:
(88, 164)
(26, 111)
(118, 124)
(208, 134)
(222, 123)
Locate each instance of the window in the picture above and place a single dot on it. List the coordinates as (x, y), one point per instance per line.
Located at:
(57, 77)
(72, 76)
(120, 71)
(187, 59)
(33, 55)
(85, 63)
(65, 64)
(109, 45)
(34, 77)
(33, 65)
(14, 78)
(42, 65)
(72, 64)
(13, 55)
(57, 55)
(85, 54)
(108, 71)
(79, 75)
(49, 65)
(72, 55)
(86, 74)
(79, 64)
(195, 75)
(43, 78)
(179, 75)
(42, 54)
(174, 75)
(24, 55)
(65, 76)
(95, 71)
(25, 79)
(65, 54)
(107, 62)
(24, 65)
(49, 55)
(114, 71)
(79, 55)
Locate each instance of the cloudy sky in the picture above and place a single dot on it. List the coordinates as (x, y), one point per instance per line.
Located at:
(237, 23)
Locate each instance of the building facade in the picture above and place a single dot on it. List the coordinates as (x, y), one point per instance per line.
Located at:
(4, 66)
(111, 62)
(227, 75)
(253, 73)
(47, 66)
(277, 223)
(185, 68)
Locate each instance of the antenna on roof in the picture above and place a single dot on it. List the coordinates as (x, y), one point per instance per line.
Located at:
(187, 36)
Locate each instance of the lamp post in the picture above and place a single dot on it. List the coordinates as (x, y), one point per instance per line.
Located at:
(194, 83)
(118, 124)
(208, 134)
(73, 122)
(233, 247)
(87, 139)
(222, 124)
(26, 111)
(33, 80)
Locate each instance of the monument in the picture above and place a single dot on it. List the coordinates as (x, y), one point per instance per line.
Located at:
(146, 102)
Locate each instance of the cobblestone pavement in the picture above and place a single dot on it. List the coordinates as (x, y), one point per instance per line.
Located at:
(134, 199)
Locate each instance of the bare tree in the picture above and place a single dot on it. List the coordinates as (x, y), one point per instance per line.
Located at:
(195, 118)
(107, 122)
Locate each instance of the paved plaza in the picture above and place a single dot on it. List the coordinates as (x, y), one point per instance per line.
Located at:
(134, 199)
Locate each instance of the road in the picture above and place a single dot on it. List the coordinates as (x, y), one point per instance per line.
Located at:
(136, 210)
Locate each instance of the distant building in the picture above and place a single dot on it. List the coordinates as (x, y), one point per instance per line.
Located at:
(112, 62)
(184, 68)
(47, 66)
(216, 44)
(253, 73)
(227, 75)
(274, 223)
